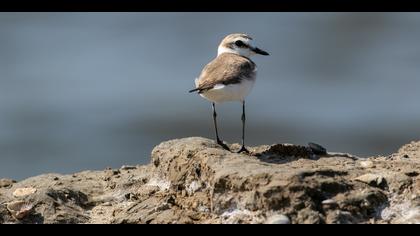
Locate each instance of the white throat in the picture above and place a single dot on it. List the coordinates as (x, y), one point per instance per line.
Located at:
(222, 49)
(238, 51)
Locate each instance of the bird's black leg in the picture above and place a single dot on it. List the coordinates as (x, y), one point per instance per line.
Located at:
(243, 149)
(220, 142)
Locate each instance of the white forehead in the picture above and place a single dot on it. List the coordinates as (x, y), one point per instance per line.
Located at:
(245, 40)
(234, 37)
(242, 37)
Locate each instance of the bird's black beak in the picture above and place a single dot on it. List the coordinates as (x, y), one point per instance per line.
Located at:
(259, 51)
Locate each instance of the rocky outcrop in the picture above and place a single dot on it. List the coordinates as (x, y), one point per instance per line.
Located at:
(192, 180)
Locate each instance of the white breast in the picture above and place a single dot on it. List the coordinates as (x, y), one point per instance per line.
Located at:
(232, 92)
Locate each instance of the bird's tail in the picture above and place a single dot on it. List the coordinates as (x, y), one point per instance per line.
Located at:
(196, 81)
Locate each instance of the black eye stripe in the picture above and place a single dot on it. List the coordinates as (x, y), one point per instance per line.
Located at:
(239, 43)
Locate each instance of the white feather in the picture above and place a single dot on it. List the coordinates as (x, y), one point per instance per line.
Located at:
(232, 92)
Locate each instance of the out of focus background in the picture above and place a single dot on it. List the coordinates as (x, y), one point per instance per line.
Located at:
(94, 90)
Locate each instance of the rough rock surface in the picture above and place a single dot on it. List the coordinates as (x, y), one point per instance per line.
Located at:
(192, 180)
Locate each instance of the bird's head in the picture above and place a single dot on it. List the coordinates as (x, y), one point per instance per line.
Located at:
(240, 44)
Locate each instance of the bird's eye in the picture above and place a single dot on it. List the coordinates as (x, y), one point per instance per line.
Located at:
(239, 43)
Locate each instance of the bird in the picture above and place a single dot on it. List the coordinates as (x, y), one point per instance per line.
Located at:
(229, 77)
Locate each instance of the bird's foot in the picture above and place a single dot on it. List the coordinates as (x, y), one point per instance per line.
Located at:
(221, 143)
(243, 149)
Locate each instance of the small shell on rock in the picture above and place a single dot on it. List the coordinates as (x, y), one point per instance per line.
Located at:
(19, 209)
(127, 167)
(278, 219)
(329, 202)
(22, 192)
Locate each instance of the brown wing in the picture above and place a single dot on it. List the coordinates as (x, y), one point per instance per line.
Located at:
(226, 69)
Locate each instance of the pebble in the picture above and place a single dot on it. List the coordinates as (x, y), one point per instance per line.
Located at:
(278, 219)
(367, 164)
(22, 192)
(203, 209)
(106, 204)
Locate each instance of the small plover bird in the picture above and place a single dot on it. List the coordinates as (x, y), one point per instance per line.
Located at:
(229, 77)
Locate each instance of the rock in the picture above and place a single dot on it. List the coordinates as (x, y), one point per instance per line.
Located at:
(278, 219)
(399, 181)
(417, 186)
(193, 180)
(23, 192)
(341, 217)
(410, 150)
(317, 149)
(372, 179)
(5, 183)
(309, 216)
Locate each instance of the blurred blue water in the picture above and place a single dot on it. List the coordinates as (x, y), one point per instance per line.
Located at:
(94, 90)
